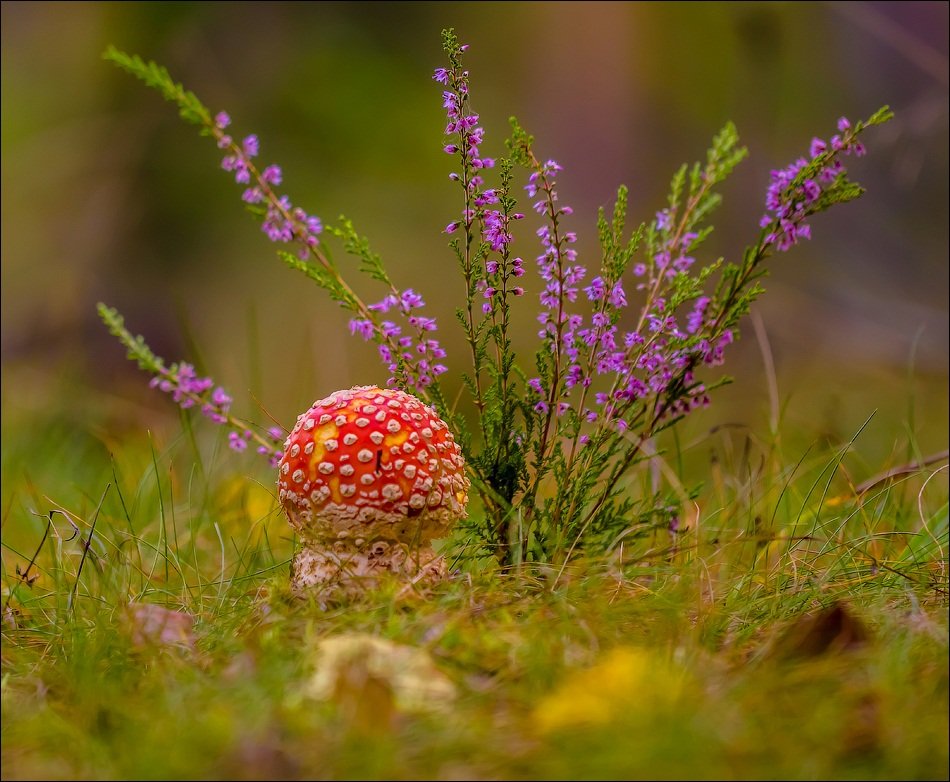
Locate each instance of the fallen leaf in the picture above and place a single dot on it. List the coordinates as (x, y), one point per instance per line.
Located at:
(154, 625)
(833, 629)
(627, 681)
(372, 679)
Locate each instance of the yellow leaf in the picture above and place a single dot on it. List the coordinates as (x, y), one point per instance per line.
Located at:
(626, 681)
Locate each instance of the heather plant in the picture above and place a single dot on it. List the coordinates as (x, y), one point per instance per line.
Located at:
(628, 343)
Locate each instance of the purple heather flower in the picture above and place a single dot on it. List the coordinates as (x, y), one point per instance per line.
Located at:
(694, 320)
(220, 398)
(389, 329)
(385, 304)
(251, 145)
(362, 327)
(617, 296)
(596, 290)
(236, 442)
(272, 175)
(411, 300)
(423, 324)
(221, 120)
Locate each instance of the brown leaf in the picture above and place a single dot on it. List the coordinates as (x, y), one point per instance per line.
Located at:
(833, 629)
(154, 625)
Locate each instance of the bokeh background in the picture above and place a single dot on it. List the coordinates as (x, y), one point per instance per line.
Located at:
(108, 196)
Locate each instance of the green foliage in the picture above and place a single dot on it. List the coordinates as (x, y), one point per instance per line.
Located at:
(323, 278)
(354, 244)
(157, 77)
(138, 351)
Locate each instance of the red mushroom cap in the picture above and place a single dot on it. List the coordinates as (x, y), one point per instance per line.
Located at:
(367, 456)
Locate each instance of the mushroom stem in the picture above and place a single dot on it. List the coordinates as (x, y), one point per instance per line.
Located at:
(352, 570)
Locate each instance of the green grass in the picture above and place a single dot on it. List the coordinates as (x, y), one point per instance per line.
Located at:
(791, 629)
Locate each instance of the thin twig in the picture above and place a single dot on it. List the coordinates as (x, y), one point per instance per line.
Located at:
(904, 469)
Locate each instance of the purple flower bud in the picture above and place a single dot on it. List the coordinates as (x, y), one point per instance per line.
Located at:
(272, 175)
(236, 442)
(251, 145)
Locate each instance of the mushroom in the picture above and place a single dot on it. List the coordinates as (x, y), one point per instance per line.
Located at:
(368, 479)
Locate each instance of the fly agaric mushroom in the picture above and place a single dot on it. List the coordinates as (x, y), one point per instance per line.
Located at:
(368, 479)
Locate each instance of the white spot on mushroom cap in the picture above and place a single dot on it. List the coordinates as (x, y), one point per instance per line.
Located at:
(325, 419)
(417, 501)
(427, 433)
(394, 404)
(347, 489)
(367, 479)
(365, 455)
(346, 470)
(340, 420)
(331, 444)
(325, 467)
(285, 468)
(361, 422)
(368, 409)
(380, 416)
(391, 492)
(376, 437)
(393, 426)
(349, 439)
(298, 476)
(410, 471)
(294, 450)
(308, 448)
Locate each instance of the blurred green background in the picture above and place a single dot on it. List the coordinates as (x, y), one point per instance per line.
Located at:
(108, 196)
